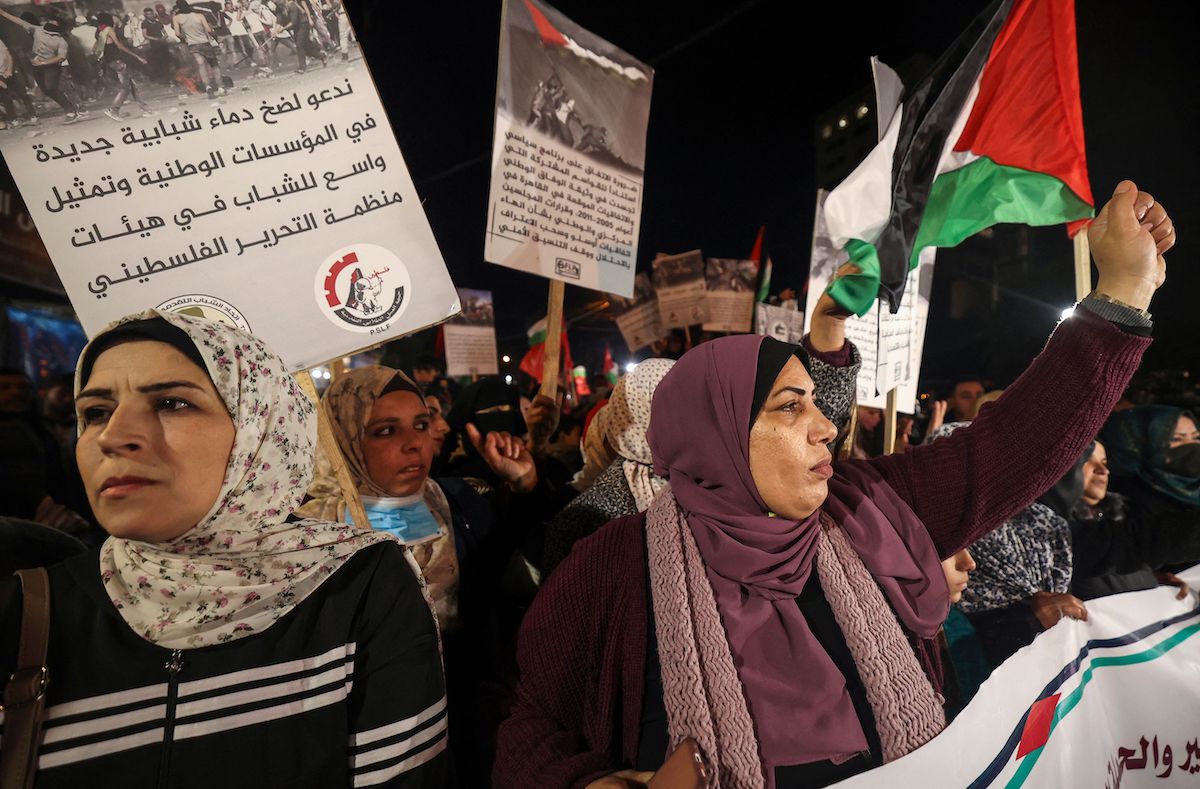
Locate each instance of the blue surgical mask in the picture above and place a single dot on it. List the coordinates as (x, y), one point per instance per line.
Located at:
(407, 517)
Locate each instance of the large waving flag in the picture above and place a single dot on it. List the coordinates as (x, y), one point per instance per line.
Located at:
(994, 133)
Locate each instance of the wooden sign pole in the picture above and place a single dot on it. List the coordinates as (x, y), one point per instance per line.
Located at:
(1083, 266)
(889, 423)
(328, 445)
(553, 345)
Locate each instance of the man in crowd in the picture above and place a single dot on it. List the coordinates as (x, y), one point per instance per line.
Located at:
(48, 55)
(963, 395)
(12, 89)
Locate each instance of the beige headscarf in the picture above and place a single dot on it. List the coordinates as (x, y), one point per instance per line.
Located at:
(596, 457)
(628, 420)
(349, 401)
(244, 565)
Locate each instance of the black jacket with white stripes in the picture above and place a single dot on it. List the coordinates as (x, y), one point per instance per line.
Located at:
(345, 690)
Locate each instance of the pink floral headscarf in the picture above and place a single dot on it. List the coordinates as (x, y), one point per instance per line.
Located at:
(243, 566)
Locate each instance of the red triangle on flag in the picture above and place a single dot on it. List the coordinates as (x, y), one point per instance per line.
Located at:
(549, 33)
(1037, 725)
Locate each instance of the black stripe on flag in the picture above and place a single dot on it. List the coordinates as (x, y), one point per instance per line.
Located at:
(930, 110)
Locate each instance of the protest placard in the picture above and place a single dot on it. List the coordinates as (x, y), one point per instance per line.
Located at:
(1109, 702)
(891, 345)
(679, 284)
(471, 337)
(284, 207)
(568, 153)
(638, 317)
(783, 323)
(729, 295)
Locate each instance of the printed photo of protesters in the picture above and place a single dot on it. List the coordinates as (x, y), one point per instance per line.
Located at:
(673, 271)
(733, 276)
(591, 97)
(57, 69)
(477, 308)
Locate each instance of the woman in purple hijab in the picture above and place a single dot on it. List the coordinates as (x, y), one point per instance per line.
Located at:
(776, 606)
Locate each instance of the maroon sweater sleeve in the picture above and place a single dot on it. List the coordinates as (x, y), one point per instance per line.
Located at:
(581, 655)
(970, 482)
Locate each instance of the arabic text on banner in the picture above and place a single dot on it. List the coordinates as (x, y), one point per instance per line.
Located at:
(286, 209)
(638, 317)
(680, 285)
(471, 337)
(1110, 702)
(568, 153)
(891, 345)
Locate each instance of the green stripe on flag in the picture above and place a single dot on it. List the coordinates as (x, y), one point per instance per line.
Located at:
(1069, 703)
(964, 201)
(857, 292)
(961, 203)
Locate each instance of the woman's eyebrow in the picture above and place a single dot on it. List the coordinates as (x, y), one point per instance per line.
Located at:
(800, 391)
(159, 387)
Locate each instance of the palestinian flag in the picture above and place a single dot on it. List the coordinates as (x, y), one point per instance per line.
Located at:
(535, 358)
(994, 133)
(756, 254)
(551, 36)
(610, 367)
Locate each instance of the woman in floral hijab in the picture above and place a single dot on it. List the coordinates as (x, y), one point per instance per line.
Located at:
(212, 620)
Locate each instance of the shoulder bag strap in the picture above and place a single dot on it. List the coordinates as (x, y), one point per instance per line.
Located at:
(25, 693)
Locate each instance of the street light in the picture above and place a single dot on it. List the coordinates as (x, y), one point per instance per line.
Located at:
(506, 358)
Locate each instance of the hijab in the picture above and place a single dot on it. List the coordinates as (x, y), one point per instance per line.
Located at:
(349, 402)
(596, 456)
(244, 565)
(1137, 440)
(627, 423)
(492, 406)
(758, 563)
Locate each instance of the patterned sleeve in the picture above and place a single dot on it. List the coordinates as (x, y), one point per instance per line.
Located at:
(835, 383)
(398, 702)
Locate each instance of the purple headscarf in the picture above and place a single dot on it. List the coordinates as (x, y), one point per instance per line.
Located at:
(758, 564)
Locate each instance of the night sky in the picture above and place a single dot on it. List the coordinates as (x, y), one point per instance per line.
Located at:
(737, 90)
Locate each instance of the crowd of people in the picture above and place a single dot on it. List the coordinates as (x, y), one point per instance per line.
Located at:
(715, 551)
(196, 47)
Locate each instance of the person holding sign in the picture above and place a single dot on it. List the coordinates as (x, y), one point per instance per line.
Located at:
(781, 609)
(215, 639)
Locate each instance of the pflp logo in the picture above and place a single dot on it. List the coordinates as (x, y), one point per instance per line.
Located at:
(363, 288)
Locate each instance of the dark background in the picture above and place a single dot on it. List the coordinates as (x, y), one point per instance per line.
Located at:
(741, 93)
(733, 136)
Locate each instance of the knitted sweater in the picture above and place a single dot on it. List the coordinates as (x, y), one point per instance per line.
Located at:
(583, 644)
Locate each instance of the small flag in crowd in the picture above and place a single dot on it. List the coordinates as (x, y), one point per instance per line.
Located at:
(994, 133)
(610, 367)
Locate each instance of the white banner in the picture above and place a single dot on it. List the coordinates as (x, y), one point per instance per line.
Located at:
(569, 152)
(638, 317)
(1112, 702)
(470, 338)
(680, 286)
(729, 295)
(891, 345)
(284, 207)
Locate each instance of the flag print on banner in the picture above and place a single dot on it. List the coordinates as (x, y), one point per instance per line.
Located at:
(1110, 702)
(994, 133)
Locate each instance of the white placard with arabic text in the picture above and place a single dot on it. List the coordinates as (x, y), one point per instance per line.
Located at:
(286, 208)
